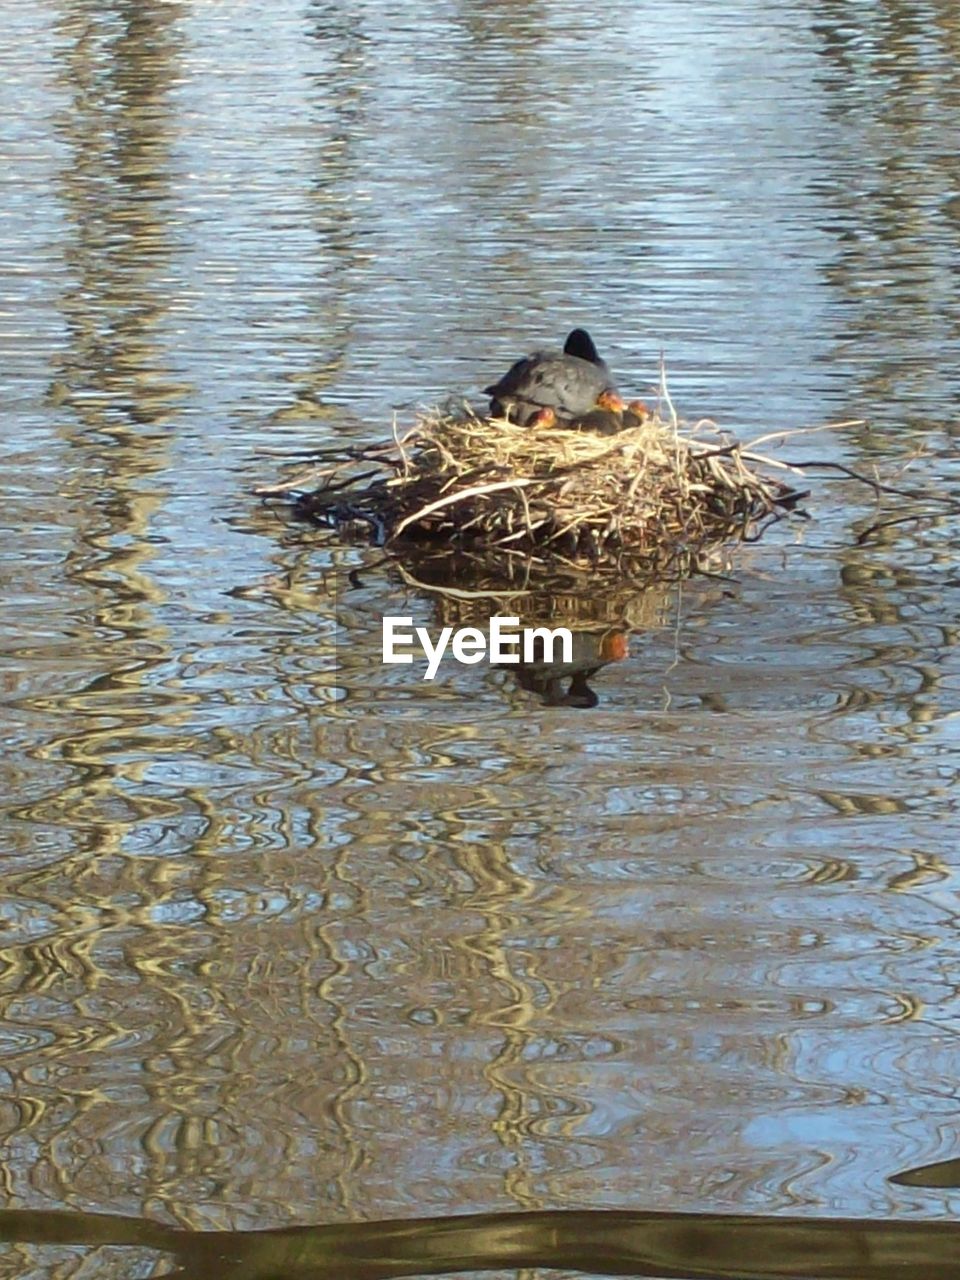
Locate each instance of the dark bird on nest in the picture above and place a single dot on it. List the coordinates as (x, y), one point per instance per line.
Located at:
(570, 382)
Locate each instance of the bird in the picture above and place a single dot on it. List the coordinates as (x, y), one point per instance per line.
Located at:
(570, 382)
(611, 415)
(636, 414)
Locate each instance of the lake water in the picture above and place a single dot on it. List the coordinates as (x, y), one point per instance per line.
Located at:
(291, 937)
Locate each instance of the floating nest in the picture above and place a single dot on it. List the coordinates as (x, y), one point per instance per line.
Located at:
(649, 499)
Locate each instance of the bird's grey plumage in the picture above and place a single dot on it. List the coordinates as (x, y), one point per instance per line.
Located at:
(568, 381)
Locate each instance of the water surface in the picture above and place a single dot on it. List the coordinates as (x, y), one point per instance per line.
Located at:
(289, 937)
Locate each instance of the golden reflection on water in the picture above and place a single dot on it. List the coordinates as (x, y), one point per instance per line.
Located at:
(117, 67)
(288, 938)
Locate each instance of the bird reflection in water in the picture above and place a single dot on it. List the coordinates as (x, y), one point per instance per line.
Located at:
(567, 684)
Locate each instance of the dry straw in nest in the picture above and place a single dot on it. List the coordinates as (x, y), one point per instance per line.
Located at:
(644, 498)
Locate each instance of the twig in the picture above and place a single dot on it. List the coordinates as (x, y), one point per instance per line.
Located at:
(880, 525)
(399, 443)
(476, 492)
(665, 394)
(752, 456)
(787, 432)
(919, 495)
